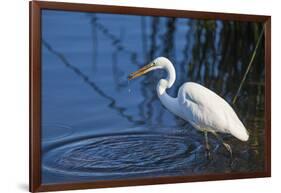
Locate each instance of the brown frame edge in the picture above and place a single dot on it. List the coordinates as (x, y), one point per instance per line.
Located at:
(34, 97)
(35, 7)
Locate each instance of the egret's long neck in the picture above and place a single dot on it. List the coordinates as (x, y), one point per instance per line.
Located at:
(169, 102)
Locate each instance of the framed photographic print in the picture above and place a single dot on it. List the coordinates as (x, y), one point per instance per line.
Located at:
(123, 96)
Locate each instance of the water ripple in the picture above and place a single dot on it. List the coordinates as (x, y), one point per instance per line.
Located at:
(120, 154)
(55, 131)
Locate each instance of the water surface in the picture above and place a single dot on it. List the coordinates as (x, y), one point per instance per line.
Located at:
(98, 126)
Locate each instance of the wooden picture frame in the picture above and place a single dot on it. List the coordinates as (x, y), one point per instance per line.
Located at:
(35, 94)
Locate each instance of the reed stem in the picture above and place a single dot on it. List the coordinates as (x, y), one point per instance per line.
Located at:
(249, 67)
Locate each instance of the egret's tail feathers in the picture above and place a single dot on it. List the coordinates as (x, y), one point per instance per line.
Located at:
(240, 133)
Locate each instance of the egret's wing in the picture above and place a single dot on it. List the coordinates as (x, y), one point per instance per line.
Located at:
(204, 109)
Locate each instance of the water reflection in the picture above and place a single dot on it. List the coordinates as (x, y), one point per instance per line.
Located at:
(96, 88)
(86, 58)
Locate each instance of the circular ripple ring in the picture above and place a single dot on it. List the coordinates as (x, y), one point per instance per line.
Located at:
(119, 154)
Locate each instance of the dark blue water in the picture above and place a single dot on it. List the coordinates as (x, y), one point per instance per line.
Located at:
(97, 126)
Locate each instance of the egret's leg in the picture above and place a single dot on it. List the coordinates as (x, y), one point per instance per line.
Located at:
(227, 146)
(206, 140)
(207, 143)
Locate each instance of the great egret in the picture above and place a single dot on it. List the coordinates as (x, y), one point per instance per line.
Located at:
(201, 107)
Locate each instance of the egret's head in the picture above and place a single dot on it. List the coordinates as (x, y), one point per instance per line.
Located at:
(158, 63)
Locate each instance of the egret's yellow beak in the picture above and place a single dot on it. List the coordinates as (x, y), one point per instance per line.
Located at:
(141, 71)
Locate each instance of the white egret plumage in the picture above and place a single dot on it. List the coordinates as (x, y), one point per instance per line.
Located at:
(201, 107)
